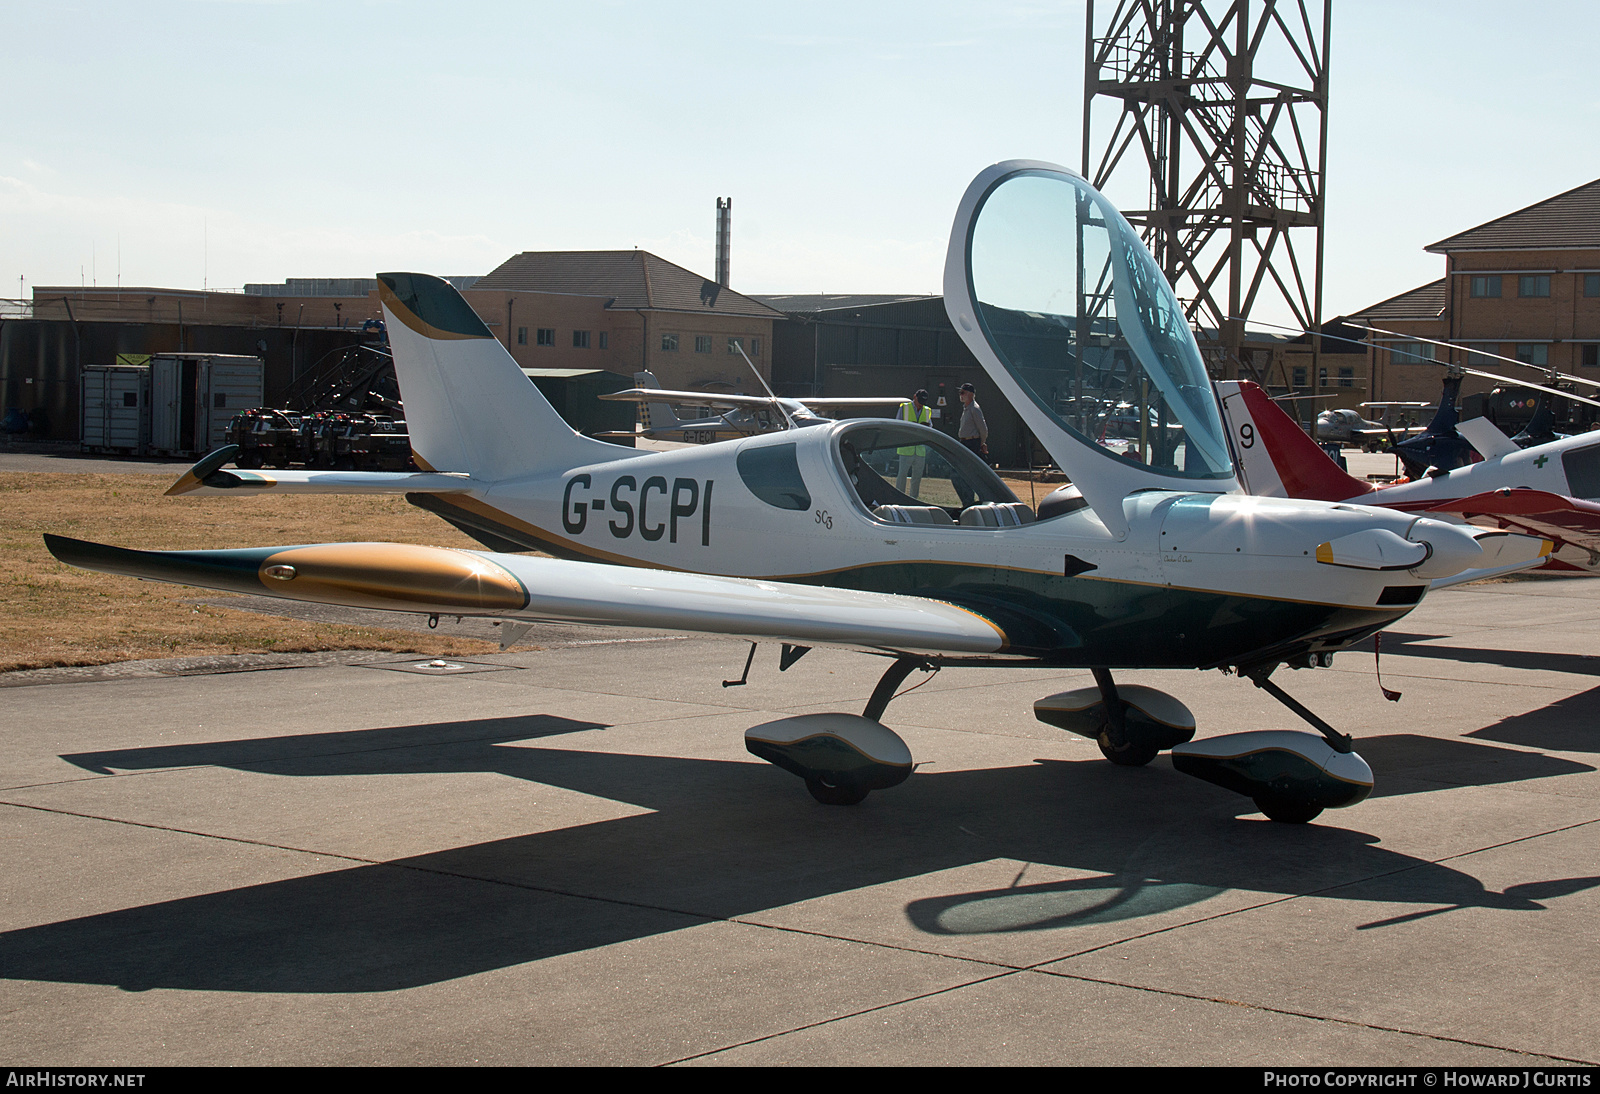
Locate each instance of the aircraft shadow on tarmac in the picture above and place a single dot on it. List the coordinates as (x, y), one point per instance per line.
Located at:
(1567, 725)
(1401, 644)
(724, 839)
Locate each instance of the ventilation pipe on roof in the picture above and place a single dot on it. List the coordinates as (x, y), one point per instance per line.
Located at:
(724, 238)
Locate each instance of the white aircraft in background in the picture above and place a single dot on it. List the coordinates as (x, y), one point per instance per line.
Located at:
(1345, 425)
(742, 415)
(1550, 490)
(1153, 558)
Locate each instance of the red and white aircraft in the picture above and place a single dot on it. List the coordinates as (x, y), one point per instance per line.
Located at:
(1549, 490)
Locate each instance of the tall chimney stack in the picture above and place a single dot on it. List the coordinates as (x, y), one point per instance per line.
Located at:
(724, 238)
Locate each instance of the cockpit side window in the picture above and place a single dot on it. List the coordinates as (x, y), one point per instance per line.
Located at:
(907, 465)
(1582, 466)
(772, 473)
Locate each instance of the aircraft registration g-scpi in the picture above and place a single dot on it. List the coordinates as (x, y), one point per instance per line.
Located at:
(1152, 558)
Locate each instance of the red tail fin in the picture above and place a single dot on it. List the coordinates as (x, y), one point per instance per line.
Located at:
(1276, 457)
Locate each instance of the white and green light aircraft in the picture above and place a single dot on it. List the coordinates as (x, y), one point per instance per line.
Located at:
(1152, 558)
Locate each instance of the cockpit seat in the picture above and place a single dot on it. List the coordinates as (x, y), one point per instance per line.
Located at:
(912, 514)
(1068, 499)
(997, 514)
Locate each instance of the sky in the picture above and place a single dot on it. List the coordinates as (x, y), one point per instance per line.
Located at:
(204, 143)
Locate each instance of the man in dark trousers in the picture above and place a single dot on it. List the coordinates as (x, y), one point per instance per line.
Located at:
(974, 433)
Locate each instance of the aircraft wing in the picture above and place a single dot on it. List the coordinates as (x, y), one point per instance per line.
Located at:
(823, 404)
(401, 577)
(1369, 433)
(1572, 524)
(685, 398)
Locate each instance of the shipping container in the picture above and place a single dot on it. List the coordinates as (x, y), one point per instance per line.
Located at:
(115, 408)
(193, 396)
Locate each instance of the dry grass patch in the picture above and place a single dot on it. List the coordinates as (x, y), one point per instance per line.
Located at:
(53, 615)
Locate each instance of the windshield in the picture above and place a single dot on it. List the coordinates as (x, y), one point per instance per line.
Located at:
(1073, 304)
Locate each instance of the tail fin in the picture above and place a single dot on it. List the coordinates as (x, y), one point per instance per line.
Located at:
(1276, 458)
(657, 416)
(468, 406)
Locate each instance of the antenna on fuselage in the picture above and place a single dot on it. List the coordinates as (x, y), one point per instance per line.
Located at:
(738, 344)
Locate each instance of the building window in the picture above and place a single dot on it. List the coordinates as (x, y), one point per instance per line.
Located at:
(603, 339)
(522, 336)
(1482, 353)
(1591, 284)
(1591, 356)
(1347, 377)
(755, 347)
(547, 336)
(1486, 286)
(733, 345)
(580, 339)
(1533, 353)
(1300, 376)
(702, 343)
(1322, 377)
(1411, 353)
(1533, 285)
(669, 343)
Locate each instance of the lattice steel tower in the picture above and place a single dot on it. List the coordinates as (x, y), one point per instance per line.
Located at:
(1227, 104)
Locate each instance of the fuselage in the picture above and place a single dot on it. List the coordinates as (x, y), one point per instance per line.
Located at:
(1200, 579)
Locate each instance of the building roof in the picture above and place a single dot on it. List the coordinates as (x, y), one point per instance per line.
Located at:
(631, 279)
(807, 303)
(1423, 302)
(1569, 221)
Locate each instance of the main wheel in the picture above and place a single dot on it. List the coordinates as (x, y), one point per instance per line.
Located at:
(1129, 755)
(828, 794)
(1286, 811)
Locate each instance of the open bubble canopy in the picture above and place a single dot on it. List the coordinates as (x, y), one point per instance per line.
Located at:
(1079, 315)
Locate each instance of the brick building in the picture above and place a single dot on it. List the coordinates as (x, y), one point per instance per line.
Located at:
(617, 311)
(1525, 286)
(622, 311)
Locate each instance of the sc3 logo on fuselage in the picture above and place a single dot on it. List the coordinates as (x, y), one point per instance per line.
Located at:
(637, 508)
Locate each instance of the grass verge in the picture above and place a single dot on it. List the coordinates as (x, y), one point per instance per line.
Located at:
(54, 615)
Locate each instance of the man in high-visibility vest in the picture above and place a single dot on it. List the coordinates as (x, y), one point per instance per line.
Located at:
(913, 457)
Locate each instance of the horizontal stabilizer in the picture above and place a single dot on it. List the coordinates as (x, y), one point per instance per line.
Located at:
(400, 577)
(209, 477)
(1486, 437)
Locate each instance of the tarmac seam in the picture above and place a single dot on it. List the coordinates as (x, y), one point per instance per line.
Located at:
(1314, 1017)
(401, 864)
(1005, 970)
(841, 1017)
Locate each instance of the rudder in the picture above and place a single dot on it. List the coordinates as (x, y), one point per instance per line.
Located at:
(1276, 458)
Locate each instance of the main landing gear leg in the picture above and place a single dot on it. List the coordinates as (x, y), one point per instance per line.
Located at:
(841, 757)
(892, 679)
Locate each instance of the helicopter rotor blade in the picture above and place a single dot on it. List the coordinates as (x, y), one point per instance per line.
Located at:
(1445, 364)
(1483, 353)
